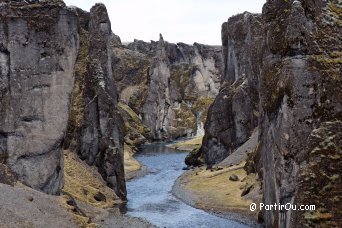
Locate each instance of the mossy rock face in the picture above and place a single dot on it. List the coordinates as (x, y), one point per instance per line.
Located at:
(130, 68)
(194, 158)
(136, 132)
(39, 46)
(137, 99)
(184, 118)
(77, 102)
(201, 105)
(7, 176)
(274, 88)
(181, 74)
(251, 163)
(320, 179)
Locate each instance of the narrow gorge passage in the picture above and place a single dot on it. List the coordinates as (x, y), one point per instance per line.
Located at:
(91, 97)
(151, 198)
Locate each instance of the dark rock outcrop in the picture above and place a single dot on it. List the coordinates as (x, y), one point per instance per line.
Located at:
(96, 130)
(38, 50)
(300, 106)
(184, 78)
(156, 111)
(295, 67)
(234, 113)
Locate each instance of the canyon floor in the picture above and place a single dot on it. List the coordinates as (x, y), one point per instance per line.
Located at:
(213, 190)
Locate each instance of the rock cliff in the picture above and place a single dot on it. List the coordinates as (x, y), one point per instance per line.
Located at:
(44, 46)
(170, 86)
(38, 49)
(96, 130)
(156, 111)
(234, 113)
(282, 74)
(300, 111)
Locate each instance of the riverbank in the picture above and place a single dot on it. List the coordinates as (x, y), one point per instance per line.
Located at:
(187, 144)
(150, 198)
(133, 168)
(89, 201)
(212, 191)
(226, 189)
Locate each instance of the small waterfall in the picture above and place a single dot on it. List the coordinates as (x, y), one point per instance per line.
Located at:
(199, 125)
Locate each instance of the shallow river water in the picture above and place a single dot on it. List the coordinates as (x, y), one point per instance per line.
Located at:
(150, 197)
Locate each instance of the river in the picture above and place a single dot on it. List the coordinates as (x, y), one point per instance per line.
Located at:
(150, 197)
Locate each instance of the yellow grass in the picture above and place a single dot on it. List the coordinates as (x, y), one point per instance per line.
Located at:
(187, 145)
(130, 163)
(82, 182)
(214, 191)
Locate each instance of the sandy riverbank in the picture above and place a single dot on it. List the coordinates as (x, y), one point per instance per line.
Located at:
(133, 168)
(88, 199)
(187, 144)
(213, 191)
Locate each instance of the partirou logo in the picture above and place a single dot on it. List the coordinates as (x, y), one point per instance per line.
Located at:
(281, 207)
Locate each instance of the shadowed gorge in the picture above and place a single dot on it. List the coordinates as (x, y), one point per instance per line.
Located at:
(98, 132)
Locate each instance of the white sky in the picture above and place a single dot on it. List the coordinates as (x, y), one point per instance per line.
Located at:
(185, 21)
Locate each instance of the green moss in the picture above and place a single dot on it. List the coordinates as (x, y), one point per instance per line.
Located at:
(136, 131)
(202, 104)
(319, 182)
(77, 103)
(181, 74)
(318, 216)
(129, 111)
(137, 100)
(334, 58)
(274, 90)
(336, 10)
(184, 118)
(194, 158)
(250, 162)
(42, 23)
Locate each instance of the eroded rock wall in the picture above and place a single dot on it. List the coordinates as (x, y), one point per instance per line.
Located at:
(188, 77)
(38, 50)
(300, 105)
(297, 76)
(156, 111)
(234, 113)
(96, 128)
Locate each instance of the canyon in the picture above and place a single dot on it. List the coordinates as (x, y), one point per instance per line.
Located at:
(76, 104)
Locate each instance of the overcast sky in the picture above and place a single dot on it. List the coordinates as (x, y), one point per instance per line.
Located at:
(185, 21)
